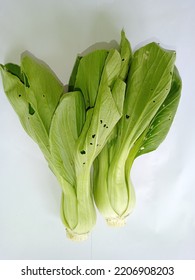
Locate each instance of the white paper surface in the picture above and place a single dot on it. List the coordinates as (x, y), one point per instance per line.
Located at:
(162, 225)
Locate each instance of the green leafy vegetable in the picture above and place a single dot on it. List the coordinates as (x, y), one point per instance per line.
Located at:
(34, 92)
(101, 107)
(118, 106)
(70, 128)
(151, 100)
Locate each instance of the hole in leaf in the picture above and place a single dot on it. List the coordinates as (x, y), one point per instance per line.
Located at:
(82, 152)
(127, 116)
(30, 109)
(93, 136)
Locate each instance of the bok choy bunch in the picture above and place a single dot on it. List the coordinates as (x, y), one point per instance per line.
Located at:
(70, 128)
(118, 106)
(151, 100)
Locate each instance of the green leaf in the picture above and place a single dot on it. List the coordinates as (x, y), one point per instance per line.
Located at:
(30, 120)
(16, 70)
(148, 85)
(88, 75)
(107, 111)
(66, 127)
(44, 89)
(161, 123)
(34, 92)
(72, 80)
(102, 162)
(78, 134)
(77, 208)
(126, 56)
(111, 69)
(118, 93)
(99, 124)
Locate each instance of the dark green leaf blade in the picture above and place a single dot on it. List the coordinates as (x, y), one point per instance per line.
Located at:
(89, 74)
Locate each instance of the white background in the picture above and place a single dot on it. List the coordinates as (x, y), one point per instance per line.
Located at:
(162, 225)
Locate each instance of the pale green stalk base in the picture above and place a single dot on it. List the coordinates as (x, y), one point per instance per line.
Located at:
(76, 237)
(116, 222)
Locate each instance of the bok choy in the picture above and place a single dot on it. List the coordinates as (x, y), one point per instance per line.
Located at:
(151, 100)
(68, 126)
(119, 105)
